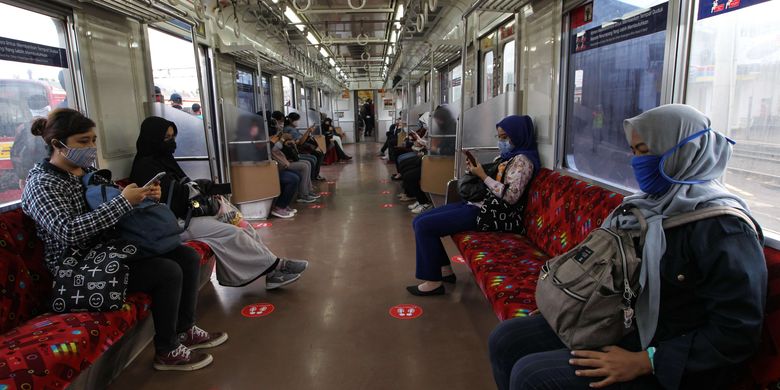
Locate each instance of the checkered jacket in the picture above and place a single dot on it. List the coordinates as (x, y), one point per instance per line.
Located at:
(55, 200)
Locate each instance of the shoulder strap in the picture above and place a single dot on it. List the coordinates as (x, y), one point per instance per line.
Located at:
(708, 212)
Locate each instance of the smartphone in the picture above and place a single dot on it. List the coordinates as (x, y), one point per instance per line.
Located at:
(155, 179)
(470, 157)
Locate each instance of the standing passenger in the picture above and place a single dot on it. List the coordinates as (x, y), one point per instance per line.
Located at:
(700, 312)
(64, 221)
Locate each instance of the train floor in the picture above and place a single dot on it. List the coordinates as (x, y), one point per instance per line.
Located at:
(332, 329)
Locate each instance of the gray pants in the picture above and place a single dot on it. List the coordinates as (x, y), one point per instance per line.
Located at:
(241, 255)
(303, 169)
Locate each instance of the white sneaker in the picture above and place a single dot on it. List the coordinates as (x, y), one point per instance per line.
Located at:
(282, 213)
(294, 211)
(414, 205)
(422, 208)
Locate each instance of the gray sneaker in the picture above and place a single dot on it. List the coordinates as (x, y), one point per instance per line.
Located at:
(278, 279)
(289, 266)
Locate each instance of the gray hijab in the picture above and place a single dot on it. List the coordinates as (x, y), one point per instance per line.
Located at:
(703, 158)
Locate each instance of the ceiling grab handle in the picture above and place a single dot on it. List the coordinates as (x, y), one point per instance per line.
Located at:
(301, 9)
(365, 56)
(432, 5)
(364, 41)
(237, 31)
(362, 4)
(420, 25)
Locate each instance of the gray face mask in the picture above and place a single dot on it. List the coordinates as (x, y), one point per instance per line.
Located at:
(278, 145)
(82, 157)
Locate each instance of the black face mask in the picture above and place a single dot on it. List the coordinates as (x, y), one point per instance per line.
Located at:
(169, 147)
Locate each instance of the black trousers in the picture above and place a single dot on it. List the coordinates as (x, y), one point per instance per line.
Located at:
(172, 281)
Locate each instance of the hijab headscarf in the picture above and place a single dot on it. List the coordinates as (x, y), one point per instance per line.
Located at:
(703, 158)
(520, 130)
(150, 147)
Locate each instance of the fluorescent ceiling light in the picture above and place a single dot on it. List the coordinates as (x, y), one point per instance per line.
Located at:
(399, 14)
(324, 52)
(393, 36)
(338, 70)
(387, 60)
(293, 17)
(332, 62)
(312, 39)
(390, 50)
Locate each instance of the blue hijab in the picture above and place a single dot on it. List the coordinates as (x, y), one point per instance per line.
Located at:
(520, 130)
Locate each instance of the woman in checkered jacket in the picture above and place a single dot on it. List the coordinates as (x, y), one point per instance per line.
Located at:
(64, 221)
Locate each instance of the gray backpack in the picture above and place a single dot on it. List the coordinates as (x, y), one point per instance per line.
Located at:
(587, 294)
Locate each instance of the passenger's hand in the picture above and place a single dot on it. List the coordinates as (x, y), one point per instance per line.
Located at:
(614, 365)
(135, 194)
(155, 192)
(476, 170)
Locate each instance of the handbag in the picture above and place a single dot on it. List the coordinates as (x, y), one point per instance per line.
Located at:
(93, 279)
(496, 215)
(587, 294)
(228, 213)
(471, 188)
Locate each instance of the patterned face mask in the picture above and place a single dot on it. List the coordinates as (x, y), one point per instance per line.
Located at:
(82, 157)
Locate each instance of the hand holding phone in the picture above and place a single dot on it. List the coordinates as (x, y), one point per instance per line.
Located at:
(470, 157)
(155, 179)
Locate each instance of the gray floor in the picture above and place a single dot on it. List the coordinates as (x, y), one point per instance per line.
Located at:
(331, 330)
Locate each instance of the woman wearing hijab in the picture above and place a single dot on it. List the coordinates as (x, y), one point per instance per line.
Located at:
(701, 307)
(332, 137)
(241, 255)
(519, 162)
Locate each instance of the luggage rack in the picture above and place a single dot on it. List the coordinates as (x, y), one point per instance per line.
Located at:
(145, 11)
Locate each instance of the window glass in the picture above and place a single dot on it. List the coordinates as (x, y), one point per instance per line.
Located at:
(175, 73)
(418, 94)
(245, 90)
(456, 83)
(487, 80)
(265, 86)
(733, 78)
(508, 67)
(288, 90)
(616, 63)
(31, 85)
(444, 83)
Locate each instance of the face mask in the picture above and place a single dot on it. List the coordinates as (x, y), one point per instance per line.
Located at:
(82, 157)
(295, 124)
(278, 145)
(648, 174)
(505, 147)
(169, 147)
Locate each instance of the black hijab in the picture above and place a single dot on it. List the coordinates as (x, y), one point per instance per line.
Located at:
(152, 157)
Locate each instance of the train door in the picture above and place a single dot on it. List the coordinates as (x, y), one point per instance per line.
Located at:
(365, 115)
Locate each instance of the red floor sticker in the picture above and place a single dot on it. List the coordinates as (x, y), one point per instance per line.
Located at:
(384, 181)
(458, 259)
(387, 206)
(257, 310)
(317, 206)
(406, 311)
(262, 225)
(385, 192)
(325, 193)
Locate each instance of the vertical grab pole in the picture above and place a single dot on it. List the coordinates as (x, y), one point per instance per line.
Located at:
(263, 107)
(459, 134)
(210, 150)
(430, 125)
(409, 102)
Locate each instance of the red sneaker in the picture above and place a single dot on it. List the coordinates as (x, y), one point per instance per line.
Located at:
(182, 359)
(197, 338)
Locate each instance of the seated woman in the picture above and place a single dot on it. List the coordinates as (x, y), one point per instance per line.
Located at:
(63, 221)
(700, 312)
(302, 168)
(248, 130)
(305, 144)
(241, 255)
(520, 161)
(332, 138)
(414, 146)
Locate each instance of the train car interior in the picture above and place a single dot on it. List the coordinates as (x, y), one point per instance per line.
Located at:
(371, 194)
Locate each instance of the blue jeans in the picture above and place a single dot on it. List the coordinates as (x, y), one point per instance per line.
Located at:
(289, 182)
(430, 226)
(527, 354)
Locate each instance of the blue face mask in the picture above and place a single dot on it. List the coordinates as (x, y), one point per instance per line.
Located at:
(649, 170)
(505, 147)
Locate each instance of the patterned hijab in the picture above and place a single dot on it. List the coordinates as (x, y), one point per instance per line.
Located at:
(702, 158)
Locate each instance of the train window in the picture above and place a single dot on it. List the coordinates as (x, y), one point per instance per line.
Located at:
(616, 61)
(487, 76)
(733, 77)
(444, 84)
(288, 90)
(245, 90)
(265, 87)
(508, 67)
(418, 94)
(175, 73)
(31, 85)
(456, 83)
